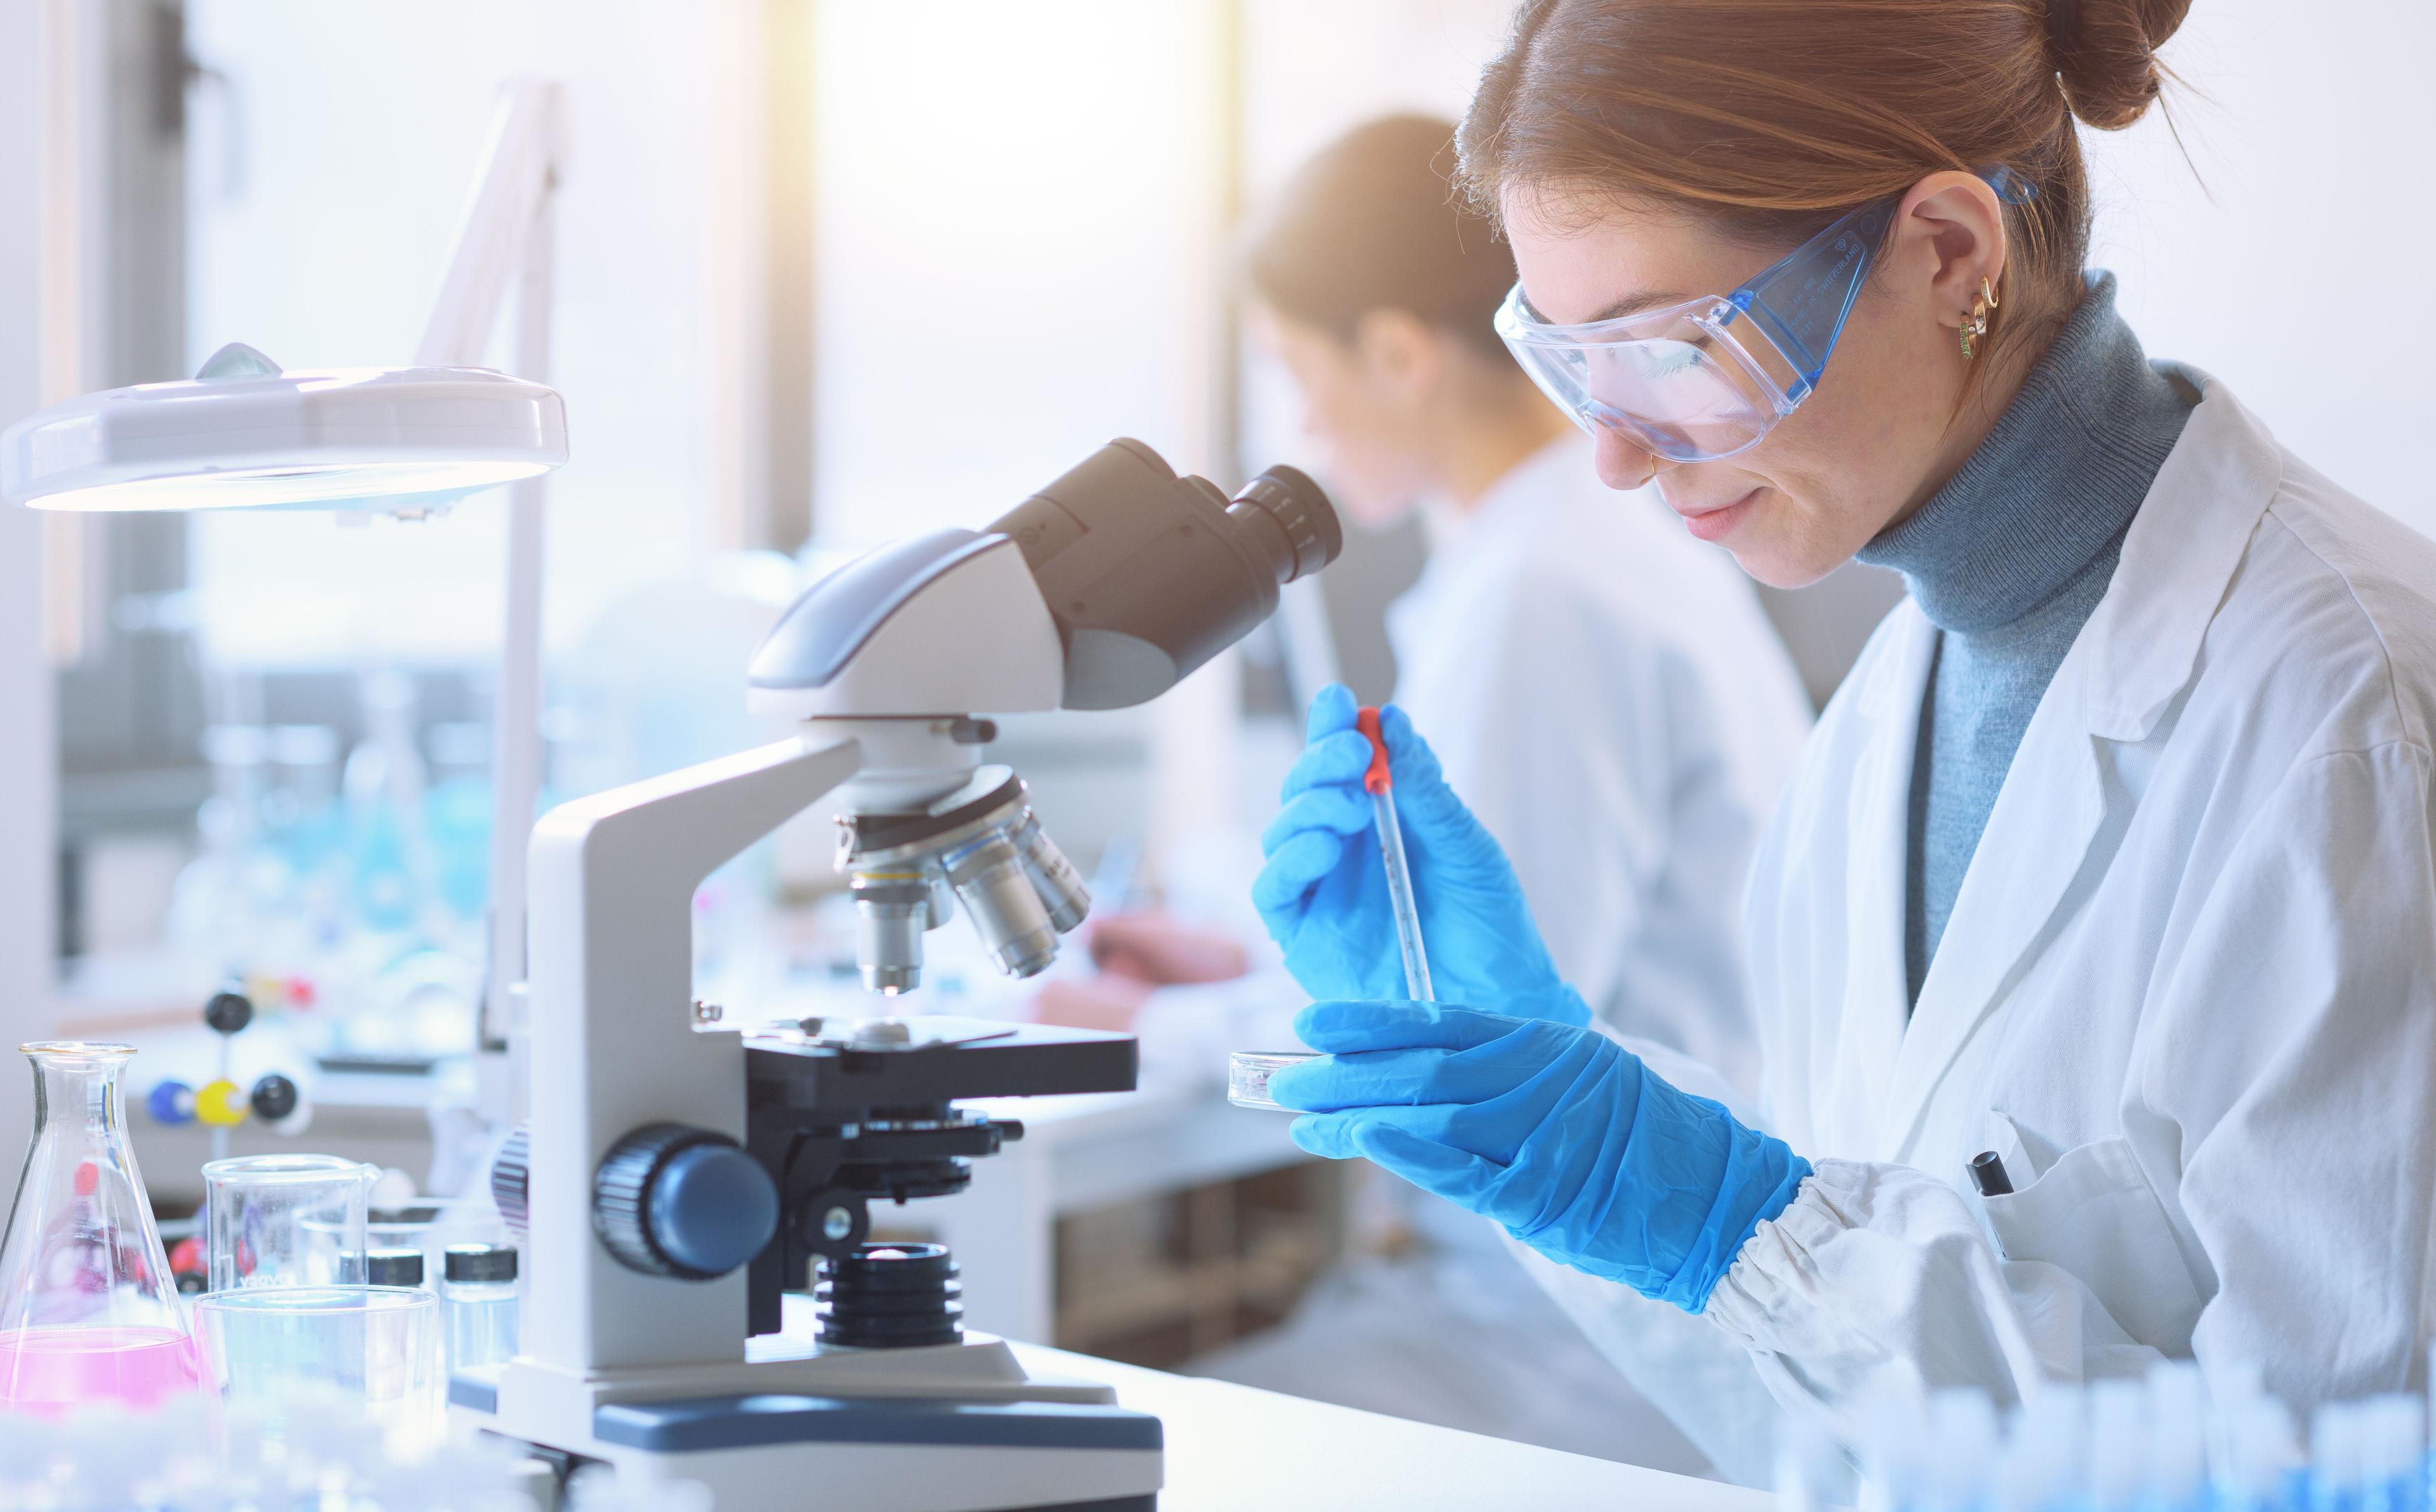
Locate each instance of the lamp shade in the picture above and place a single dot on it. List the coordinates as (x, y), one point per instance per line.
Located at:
(242, 434)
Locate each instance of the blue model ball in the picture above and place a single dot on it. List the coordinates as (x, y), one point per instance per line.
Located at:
(170, 1103)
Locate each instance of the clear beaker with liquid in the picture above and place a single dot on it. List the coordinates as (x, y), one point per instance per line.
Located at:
(88, 1310)
(285, 1219)
(278, 1351)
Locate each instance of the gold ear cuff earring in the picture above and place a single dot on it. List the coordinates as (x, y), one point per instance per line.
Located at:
(1976, 322)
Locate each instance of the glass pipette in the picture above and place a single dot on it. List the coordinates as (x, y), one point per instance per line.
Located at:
(1382, 788)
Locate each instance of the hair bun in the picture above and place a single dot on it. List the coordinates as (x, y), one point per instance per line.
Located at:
(2105, 52)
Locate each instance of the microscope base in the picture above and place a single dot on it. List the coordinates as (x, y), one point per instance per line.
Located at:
(959, 1427)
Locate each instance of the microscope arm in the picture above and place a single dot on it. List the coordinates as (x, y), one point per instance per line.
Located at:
(612, 1042)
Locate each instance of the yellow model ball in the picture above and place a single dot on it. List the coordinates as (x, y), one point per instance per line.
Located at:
(220, 1104)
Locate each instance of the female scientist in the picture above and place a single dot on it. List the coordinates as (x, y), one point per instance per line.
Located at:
(2113, 856)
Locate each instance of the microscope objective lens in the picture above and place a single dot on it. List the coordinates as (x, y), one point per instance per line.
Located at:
(997, 892)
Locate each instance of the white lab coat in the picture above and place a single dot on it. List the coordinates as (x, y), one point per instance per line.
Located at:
(1631, 815)
(2188, 990)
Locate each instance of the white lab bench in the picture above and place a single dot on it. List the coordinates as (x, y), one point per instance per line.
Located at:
(1233, 1448)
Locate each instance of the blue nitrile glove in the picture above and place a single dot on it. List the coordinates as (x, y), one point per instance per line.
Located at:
(1324, 891)
(1557, 1133)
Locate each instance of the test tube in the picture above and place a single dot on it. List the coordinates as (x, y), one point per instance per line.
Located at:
(1381, 785)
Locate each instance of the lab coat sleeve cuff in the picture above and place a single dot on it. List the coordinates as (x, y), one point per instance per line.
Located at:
(1878, 1279)
(1778, 1269)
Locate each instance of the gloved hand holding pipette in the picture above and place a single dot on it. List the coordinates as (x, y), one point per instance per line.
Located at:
(1325, 896)
(1513, 1109)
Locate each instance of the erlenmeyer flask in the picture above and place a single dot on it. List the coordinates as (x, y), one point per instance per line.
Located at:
(88, 1311)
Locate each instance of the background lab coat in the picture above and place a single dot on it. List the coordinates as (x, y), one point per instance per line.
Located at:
(1606, 693)
(2188, 991)
(1608, 697)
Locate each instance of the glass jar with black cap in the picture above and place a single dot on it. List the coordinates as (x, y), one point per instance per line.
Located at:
(393, 1267)
(477, 1298)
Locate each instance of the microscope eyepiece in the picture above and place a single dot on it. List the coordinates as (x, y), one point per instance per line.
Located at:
(1286, 499)
(1149, 575)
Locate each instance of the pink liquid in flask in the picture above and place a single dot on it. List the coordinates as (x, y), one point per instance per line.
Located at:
(46, 1370)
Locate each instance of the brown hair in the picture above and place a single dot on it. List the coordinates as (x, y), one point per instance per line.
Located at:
(1770, 118)
(1373, 222)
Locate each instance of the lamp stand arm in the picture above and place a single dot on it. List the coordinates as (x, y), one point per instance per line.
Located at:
(522, 163)
(517, 747)
(508, 230)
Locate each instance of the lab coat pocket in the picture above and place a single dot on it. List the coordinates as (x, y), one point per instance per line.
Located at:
(2094, 1214)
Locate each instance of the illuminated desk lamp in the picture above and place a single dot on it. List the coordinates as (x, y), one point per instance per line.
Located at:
(243, 434)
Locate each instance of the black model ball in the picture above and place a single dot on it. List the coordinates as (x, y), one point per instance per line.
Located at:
(227, 1012)
(274, 1097)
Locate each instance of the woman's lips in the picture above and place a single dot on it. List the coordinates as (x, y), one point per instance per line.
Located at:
(1716, 521)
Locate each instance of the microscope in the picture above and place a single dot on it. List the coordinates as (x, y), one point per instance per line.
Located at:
(678, 1179)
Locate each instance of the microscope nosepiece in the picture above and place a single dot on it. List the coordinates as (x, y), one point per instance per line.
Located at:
(979, 845)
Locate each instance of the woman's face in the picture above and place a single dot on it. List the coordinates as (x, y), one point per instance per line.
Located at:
(1369, 423)
(1868, 446)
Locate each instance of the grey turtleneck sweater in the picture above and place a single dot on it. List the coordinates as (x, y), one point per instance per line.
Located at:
(2008, 561)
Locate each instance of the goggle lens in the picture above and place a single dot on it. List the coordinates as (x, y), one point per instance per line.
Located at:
(1686, 391)
(1705, 380)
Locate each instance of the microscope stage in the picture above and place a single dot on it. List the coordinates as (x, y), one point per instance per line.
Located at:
(948, 1060)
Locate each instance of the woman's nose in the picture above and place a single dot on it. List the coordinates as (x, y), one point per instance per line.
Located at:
(1622, 464)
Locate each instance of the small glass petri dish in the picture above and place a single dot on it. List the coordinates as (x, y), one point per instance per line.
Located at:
(1249, 1072)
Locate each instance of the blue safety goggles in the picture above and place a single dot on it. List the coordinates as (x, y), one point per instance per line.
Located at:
(1710, 376)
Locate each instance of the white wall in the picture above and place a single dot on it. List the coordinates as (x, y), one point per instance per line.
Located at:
(26, 738)
(326, 186)
(2292, 266)
(1015, 217)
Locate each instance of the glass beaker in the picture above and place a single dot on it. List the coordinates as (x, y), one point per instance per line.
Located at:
(285, 1219)
(88, 1310)
(270, 1349)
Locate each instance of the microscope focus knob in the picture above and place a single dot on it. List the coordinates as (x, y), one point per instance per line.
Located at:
(512, 1177)
(673, 1200)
